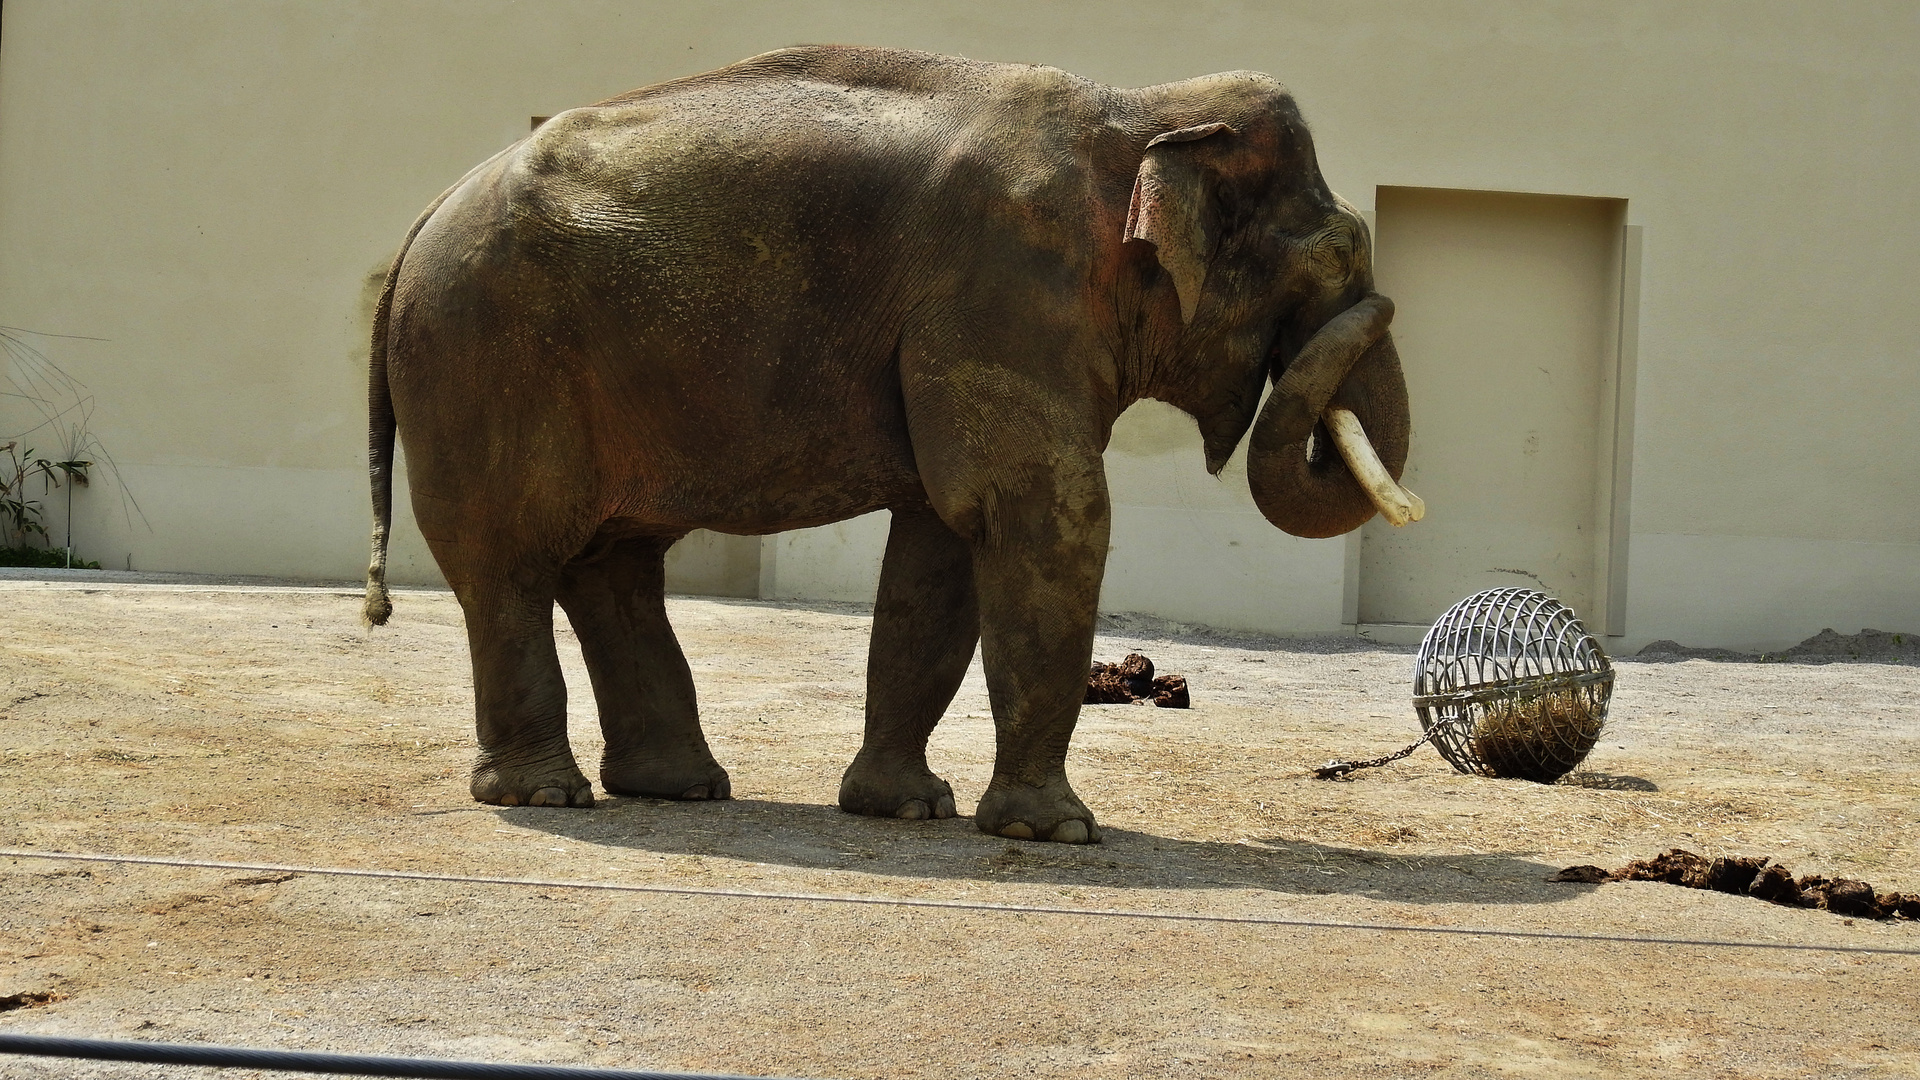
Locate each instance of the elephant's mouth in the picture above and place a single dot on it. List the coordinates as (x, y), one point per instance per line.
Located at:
(1344, 389)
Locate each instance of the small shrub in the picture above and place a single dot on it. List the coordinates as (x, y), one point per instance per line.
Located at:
(29, 377)
(43, 557)
(20, 516)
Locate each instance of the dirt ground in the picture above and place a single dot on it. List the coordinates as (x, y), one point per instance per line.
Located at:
(258, 724)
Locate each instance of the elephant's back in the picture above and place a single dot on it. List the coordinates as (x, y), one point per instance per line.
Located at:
(721, 269)
(694, 304)
(810, 195)
(948, 81)
(839, 136)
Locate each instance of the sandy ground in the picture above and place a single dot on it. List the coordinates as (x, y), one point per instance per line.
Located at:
(256, 724)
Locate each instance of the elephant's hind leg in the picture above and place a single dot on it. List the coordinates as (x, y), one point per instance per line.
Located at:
(615, 598)
(925, 626)
(520, 699)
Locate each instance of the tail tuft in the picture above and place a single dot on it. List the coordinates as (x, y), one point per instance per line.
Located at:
(379, 605)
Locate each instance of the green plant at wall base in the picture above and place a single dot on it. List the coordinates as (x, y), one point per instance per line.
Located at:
(20, 515)
(65, 411)
(49, 558)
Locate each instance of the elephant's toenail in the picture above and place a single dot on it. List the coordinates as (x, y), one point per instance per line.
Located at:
(944, 808)
(697, 791)
(1018, 830)
(583, 797)
(509, 799)
(912, 810)
(1070, 832)
(548, 796)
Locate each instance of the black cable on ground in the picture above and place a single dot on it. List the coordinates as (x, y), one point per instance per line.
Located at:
(235, 1057)
(960, 905)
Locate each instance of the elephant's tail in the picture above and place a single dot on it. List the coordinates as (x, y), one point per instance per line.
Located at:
(380, 432)
(381, 427)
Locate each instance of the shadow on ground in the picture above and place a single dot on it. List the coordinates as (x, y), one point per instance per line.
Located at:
(816, 837)
(1126, 624)
(1607, 781)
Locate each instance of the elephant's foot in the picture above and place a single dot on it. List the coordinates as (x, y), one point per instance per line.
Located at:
(877, 787)
(1048, 811)
(545, 783)
(691, 776)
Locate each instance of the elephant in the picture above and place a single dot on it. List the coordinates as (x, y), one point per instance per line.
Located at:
(825, 281)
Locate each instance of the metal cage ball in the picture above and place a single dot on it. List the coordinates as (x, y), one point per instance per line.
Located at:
(1509, 684)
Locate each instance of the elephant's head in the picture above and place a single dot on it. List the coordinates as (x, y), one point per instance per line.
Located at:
(1274, 275)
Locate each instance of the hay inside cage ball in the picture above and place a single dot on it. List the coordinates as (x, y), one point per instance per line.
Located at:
(1509, 684)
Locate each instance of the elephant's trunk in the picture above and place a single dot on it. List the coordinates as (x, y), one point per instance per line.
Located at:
(1299, 482)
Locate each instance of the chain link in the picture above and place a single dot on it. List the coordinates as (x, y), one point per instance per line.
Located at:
(1338, 770)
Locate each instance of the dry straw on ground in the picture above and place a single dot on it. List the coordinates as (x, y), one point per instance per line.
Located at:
(269, 726)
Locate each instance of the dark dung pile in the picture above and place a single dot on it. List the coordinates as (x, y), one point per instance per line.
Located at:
(1757, 876)
(1133, 680)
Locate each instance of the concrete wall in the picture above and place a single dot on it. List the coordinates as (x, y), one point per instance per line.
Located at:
(1507, 312)
(209, 189)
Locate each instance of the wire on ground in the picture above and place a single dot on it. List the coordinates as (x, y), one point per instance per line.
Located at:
(958, 905)
(236, 1057)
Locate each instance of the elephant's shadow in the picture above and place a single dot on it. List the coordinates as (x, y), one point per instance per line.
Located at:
(817, 837)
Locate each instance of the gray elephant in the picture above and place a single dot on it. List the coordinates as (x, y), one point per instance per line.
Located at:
(826, 281)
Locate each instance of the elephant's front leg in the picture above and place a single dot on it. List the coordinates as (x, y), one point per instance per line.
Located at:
(1037, 569)
(925, 626)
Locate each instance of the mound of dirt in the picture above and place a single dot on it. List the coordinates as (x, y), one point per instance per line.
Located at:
(1668, 651)
(30, 999)
(1876, 646)
(1826, 647)
(1132, 680)
(1756, 876)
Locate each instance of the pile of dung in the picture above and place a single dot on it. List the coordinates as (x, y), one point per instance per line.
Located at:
(1759, 877)
(1131, 680)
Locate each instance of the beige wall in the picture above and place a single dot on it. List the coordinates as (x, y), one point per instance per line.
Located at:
(208, 187)
(1507, 311)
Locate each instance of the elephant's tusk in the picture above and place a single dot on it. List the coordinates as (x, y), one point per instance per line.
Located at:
(1395, 503)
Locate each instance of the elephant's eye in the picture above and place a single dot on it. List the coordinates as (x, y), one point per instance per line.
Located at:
(1330, 255)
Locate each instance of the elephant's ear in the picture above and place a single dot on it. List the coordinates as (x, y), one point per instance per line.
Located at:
(1170, 210)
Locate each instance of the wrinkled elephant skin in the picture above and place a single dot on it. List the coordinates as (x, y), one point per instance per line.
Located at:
(827, 281)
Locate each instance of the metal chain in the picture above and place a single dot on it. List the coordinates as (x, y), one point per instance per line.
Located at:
(1338, 770)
